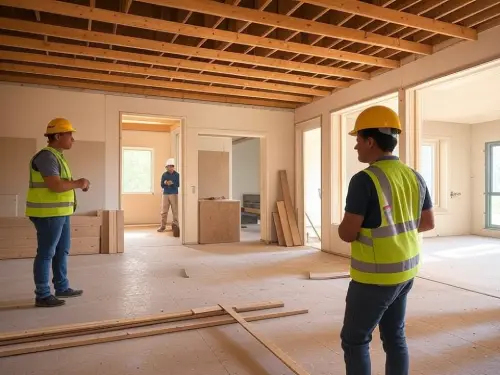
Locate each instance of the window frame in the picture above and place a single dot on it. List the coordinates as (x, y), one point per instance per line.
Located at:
(131, 148)
(488, 193)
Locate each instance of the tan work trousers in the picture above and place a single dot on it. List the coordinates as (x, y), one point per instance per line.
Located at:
(167, 201)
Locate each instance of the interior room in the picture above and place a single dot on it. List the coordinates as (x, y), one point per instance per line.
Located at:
(460, 127)
(242, 109)
(147, 143)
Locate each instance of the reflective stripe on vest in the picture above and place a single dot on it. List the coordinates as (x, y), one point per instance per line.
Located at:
(387, 230)
(49, 205)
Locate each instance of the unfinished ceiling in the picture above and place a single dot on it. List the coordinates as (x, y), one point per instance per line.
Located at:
(470, 99)
(278, 53)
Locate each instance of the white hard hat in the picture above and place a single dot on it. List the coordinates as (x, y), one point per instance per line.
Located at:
(170, 161)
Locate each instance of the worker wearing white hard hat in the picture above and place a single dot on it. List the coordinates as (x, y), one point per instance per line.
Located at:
(170, 185)
(387, 206)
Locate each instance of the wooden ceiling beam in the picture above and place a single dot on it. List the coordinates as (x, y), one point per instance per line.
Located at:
(142, 91)
(145, 71)
(102, 15)
(72, 49)
(67, 73)
(293, 23)
(153, 45)
(401, 18)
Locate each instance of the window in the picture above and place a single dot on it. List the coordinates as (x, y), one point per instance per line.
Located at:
(429, 165)
(493, 185)
(137, 170)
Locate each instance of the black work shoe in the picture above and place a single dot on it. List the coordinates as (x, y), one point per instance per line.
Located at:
(49, 301)
(69, 293)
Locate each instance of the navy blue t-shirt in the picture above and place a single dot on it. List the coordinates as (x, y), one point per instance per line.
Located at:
(362, 199)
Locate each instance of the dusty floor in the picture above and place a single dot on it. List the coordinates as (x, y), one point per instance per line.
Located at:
(451, 331)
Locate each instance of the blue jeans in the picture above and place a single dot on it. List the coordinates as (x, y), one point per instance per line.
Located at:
(366, 307)
(54, 240)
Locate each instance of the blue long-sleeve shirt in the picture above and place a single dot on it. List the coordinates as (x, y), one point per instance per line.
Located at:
(174, 177)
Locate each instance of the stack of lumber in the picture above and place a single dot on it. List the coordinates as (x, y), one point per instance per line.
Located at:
(18, 236)
(285, 220)
(112, 232)
(68, 336)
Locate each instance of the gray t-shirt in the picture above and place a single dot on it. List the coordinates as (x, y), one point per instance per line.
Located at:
(47, 164)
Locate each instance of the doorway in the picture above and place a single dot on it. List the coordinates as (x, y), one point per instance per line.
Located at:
(147, 142)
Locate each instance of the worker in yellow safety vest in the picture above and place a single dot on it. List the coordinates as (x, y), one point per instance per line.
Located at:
(387, 206)
(50, 202)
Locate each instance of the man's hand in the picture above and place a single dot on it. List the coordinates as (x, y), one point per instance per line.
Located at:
(350, 226)
(168, 182)
(83, 184)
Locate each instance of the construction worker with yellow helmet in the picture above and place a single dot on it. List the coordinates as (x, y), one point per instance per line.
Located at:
(387, 206)
(50, 202)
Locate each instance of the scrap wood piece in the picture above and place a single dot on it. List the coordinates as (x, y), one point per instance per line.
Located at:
(115, 324)
(279, 229)
(280, 354)
(294, 228)
(72, 342)
(284, 223)
(328, 275)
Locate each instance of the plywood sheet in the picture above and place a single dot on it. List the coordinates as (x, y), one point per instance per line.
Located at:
(15, 155)
(213, 174)
(279, 229)
(219, 221)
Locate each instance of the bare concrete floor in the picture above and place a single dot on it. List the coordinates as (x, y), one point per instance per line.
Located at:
(466, 261)
(451, 331)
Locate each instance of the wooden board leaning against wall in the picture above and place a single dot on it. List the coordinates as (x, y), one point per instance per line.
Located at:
(98, 232)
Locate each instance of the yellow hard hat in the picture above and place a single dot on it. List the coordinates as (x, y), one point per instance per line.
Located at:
(377, 117)
(59, 125)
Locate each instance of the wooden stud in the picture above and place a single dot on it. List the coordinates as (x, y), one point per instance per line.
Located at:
(285, 189)
(285, 225)
(280, 354)
(279, 229)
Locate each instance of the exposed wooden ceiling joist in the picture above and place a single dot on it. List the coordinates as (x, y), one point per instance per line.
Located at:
(293, 23)
(252, 52)
(67, 73)
(40, 45)
(401, 18)
(80, 11)
(153, 45)
(143, 91)
(133, 69)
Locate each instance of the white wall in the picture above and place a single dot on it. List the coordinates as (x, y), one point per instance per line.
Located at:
(246, 168)
(452, 215)
(26, 110)
(457, 57)
(312, 176)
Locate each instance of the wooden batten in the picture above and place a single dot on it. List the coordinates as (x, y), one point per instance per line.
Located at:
(147, 127)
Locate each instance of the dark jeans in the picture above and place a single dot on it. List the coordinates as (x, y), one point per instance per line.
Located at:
(369, 305)
(54, 240)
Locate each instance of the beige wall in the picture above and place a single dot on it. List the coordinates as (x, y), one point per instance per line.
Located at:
(481, 133)
(452, 215)
(145, 208)
(26, 110)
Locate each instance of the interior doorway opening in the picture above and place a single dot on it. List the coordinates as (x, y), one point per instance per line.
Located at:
(147, 144)
(229, 188)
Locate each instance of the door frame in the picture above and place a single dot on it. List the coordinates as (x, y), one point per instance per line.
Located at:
(300, 128)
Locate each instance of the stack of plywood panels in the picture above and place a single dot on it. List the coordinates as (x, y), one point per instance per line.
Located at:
(18, 236)
(285, 220)
(219, 221)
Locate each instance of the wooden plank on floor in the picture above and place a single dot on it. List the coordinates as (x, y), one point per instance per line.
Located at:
(205, 311)
(284, 223)
(280, 354)
(279, 229)
(328, 275)
(35, 347)
(285, 189)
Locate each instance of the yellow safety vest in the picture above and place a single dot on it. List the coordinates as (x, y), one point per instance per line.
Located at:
(390, 254)
(43, 202)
